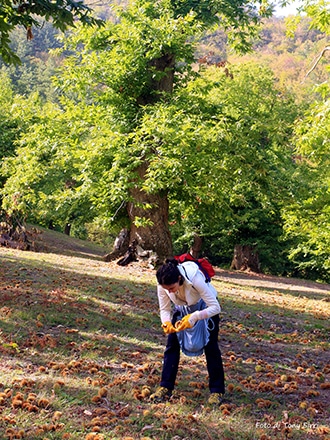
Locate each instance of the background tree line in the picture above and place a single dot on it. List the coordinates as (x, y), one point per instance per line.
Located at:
(152, 124)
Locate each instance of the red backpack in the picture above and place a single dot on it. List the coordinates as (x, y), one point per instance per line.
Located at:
(204, 265)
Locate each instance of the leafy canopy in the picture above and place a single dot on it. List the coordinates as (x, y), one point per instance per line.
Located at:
(130, 97)
(216, 148)
(308, 220)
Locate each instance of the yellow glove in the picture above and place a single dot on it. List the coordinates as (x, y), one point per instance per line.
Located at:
(183, 324)
(168, 328)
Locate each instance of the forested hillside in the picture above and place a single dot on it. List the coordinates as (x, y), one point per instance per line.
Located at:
(176, 131)
(290, 55)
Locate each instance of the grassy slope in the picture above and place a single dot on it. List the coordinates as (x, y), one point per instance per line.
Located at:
(81, 350)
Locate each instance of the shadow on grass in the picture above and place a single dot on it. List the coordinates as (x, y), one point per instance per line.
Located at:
(40, 298)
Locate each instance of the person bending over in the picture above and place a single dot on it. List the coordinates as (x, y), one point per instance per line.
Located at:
(192, 325)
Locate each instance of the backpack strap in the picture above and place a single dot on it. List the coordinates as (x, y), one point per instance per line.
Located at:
(186, 275)
(185, 271)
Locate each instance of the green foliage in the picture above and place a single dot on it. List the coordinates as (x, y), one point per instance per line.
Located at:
(239, 19)
(308, 220)
(128, 53)
(7, 126)
(101, 232)
(16, 113)
(225, 169)
(216, 142)
(26, 13)
(235, 169)
(318, 11)
(50, 179)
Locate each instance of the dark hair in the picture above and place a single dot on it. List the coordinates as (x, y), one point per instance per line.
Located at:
(168, 273)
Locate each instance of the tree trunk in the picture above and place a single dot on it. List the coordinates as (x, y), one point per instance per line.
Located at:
(67, 228)
(154, 236)
(196, 247)
(121, 245)
(245, 258)
(166, 64)
(153, 207)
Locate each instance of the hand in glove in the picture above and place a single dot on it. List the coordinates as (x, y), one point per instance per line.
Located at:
(183, 324)
(168, 328)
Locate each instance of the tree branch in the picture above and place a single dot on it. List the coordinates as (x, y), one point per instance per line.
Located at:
(317, 60)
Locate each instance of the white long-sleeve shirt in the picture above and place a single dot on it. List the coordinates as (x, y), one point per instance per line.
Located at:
(189, 293)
